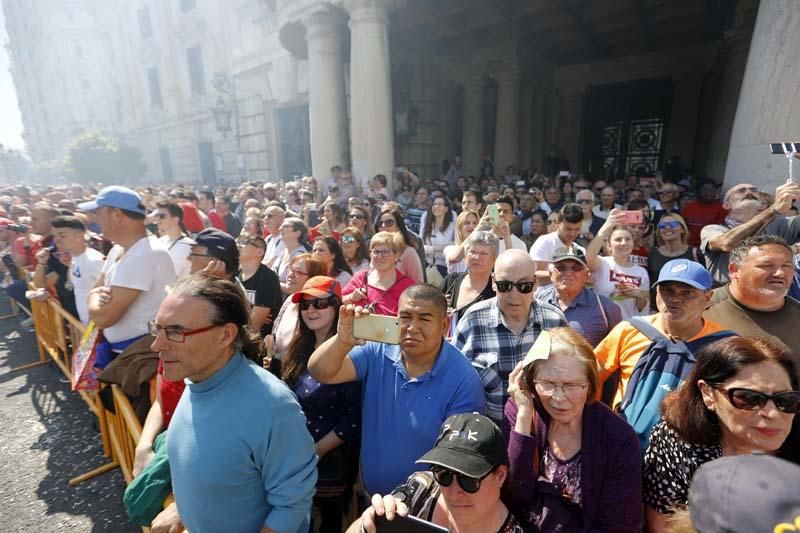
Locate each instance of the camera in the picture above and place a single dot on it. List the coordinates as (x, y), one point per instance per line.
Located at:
(18, 228)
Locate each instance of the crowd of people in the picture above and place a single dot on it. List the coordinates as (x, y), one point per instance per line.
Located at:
(571, 354)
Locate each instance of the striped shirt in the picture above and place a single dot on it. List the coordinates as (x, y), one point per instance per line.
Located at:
(494, 349)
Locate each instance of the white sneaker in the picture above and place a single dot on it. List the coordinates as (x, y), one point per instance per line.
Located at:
(28, 322)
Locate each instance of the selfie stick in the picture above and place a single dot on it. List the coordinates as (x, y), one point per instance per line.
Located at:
(788, 149)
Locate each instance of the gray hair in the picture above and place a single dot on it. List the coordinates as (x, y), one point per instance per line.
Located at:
(483, 238)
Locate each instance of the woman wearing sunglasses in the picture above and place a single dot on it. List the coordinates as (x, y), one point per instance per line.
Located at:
(333, 412)
(359, 218)
(461, 491)
(741, 397)
(672, 236)
(564, 441)
(355, 250)
(301, 268)
(409, 259)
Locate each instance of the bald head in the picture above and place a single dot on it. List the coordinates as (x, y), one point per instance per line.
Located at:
(517, 260)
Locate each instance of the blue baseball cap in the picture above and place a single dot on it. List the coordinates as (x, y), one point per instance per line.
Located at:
(685, 271)
(116, 196)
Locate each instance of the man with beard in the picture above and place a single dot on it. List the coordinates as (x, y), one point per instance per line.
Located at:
(754, 303)
(746, 218)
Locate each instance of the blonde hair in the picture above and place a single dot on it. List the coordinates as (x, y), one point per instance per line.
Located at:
(570, 343)
(679, 219)
(460, 221)
(392, 240)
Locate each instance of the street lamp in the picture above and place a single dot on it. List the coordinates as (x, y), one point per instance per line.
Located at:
(223, 112)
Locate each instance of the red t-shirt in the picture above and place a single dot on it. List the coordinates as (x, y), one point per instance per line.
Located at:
(170, 395)
(191, 219)
(698, 215)
(217, 221)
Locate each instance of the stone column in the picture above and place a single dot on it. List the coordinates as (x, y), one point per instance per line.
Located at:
(372, 128)
(526, 125)
(539, 128)
(327, 107)
(769, 103)
(472, 126)
(506, 142)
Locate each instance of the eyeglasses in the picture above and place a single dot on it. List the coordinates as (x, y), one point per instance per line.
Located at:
(200, 255)
(176, 334)
(567, 389)
(252, 242)
(750, 400)
(561, 267)
(585, 202)
(444, 477)
(358, 216)
(524, 287)
(669, 224)
(298, 272)
(387, 223)
(348, 239)
(380, 252)
(318, 303)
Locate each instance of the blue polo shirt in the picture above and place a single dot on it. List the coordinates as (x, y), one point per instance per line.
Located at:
(401, 417)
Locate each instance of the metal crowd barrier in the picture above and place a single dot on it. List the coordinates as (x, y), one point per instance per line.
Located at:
(58, 335)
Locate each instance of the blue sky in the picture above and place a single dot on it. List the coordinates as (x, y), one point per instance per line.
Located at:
(10, 119)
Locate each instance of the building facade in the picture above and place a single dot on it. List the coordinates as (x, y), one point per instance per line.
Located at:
(213, 90)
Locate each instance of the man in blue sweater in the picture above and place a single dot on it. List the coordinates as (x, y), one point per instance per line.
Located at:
(408, 389)
(240, 454)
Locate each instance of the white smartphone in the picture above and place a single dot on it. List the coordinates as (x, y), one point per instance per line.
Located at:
(378, 328)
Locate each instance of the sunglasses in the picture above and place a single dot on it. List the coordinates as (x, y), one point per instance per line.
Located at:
(348, 239)
(669, 224)
(388, 223)
(750, 400)
(585, 202)
(444, 477)
(524, 287)
(561, 267)
(318, 303)
(356, 215)
(161, 216)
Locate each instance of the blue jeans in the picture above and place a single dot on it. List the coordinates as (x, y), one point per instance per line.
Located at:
(16, 291)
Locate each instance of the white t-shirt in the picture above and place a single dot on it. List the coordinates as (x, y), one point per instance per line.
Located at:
(83, 274)
(516, 244)
(179, 251)
(610, 274)
(146, 267)
(439, 238)
(545, 247)
(275, 248)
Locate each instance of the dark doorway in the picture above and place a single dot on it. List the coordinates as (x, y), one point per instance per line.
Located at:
(207, 168)
(626, 128)
(295, 138)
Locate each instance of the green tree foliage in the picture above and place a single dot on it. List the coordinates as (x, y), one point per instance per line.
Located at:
(93, 158)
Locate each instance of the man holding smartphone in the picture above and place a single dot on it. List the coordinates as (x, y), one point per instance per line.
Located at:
(408, 389)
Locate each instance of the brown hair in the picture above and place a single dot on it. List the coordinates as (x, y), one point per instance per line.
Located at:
(570, 343)
(686, 413)
(314, 266)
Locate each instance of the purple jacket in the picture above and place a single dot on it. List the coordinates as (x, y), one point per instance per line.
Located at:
(611, 468)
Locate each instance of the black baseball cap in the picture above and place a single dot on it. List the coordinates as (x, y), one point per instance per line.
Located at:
(219, 244)
(745, 493)
(470, 444)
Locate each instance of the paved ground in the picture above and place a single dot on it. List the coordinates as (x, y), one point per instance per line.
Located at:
(46, 438)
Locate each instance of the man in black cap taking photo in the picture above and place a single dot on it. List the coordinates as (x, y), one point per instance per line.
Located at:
(461, 491)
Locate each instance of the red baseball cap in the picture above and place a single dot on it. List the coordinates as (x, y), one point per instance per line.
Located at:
(319, 287)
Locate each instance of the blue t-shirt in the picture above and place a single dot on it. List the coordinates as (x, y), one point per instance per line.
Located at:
(240, 454)
(401, 418)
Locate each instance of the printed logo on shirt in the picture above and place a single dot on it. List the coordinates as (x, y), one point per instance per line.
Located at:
(251, 296)
(76, 271)
(624, 279)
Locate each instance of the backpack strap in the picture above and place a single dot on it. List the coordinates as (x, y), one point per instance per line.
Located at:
(649, 331)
